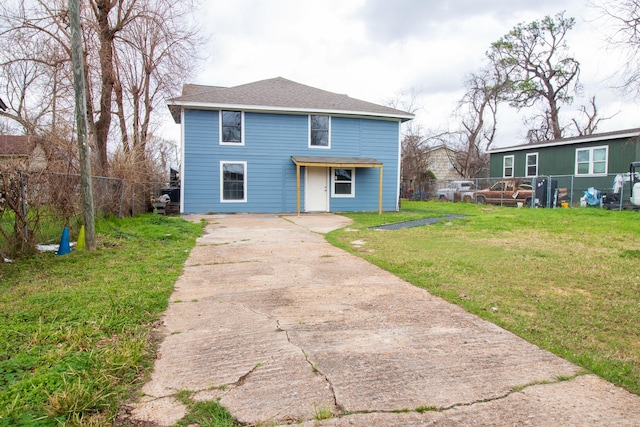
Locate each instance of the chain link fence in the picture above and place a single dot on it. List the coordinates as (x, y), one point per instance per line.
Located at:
(36, 206)
(610, 191)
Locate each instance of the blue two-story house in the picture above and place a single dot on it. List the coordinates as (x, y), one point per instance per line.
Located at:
(277, 146)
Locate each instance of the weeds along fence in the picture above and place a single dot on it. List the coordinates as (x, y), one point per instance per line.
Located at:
(35, 206)
(611, 191)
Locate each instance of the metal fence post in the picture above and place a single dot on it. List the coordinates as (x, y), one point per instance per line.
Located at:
(122, 194)
(24, 205)
(534, 185)
(571, 193)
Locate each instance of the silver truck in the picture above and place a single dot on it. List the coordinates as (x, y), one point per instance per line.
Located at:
(457, 191)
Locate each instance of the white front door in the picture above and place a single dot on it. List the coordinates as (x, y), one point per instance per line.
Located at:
(316, 196)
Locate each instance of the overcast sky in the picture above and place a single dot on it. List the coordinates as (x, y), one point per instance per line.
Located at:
(375, 49)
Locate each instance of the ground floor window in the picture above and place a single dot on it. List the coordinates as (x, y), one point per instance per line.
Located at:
(592, 161)
(233, 181)
(507, 167)
(532, 164)
(342, 183)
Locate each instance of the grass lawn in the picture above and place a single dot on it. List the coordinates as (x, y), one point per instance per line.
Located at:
(75, 329)
(567, 280)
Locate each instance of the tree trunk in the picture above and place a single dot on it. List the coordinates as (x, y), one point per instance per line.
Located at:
(105, 37)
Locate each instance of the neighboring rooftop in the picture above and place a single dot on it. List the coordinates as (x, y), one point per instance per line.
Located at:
(278, 95)
(605, 136)
(16, 145)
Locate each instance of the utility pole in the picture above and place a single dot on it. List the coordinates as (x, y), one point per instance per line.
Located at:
(81, 124)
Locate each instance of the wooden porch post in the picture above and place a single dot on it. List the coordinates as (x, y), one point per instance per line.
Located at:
(298, 187)
(380, 192)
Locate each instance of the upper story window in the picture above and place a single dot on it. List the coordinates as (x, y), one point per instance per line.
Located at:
(231, 129)
(507, 166)
(319, 135)
(592, 161)
(532, 165)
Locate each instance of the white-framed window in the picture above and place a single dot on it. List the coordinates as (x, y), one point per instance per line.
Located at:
(231, 127)
(319, 132)
(532, 165)
(592, 160)
(343, 182)
(233, 182)
(507, 167)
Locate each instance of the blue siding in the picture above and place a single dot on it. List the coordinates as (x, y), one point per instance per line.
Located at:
(200, 181)
(270, 141)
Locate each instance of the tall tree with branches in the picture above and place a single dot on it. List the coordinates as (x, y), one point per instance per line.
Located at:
(137, 53)
(153, 58)
(477, 112)
(414, 151)
(539, 68)
(622, 18)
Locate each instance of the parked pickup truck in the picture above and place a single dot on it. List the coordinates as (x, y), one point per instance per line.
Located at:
(512, 192)
(457, 191)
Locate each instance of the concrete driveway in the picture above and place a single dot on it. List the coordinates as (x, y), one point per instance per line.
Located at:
(284, 328)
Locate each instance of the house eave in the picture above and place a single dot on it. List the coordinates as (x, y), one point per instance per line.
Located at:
(569, 141)
(176, 106)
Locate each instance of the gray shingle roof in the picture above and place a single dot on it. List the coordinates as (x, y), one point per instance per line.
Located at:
(278, 94)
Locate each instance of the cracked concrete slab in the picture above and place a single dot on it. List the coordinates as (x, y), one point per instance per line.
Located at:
(282, 327)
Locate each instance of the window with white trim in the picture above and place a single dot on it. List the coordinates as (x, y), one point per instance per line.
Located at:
(532, 165)
(233, 182)
(592, 161)
(319, 131)
(231, 129)
(343, 183)
(507, 166)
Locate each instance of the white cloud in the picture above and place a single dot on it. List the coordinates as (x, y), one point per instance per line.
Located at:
(374, 49)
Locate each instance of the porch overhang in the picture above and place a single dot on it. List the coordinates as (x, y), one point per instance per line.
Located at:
(336, 162)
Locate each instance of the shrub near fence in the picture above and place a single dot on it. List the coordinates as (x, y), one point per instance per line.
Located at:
(576, 186)
(36, 206)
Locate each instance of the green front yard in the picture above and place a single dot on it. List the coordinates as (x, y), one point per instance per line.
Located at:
(75, 330)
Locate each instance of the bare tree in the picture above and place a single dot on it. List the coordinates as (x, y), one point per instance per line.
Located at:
(535, 60)
(36, 82)
(137, 53)
(153, 56)
(415, 162)
(32, 93)
(591, 119)
(539, 127)
(622, 18)
(414, 150)
(477, 112)
(407, 100)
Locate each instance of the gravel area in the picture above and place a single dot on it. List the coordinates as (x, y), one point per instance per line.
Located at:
(415, 222)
